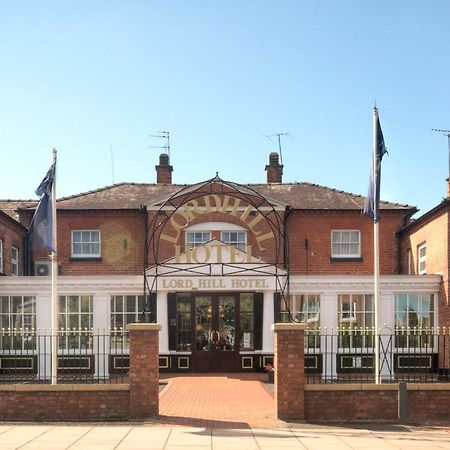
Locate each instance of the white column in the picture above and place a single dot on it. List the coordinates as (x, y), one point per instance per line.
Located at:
(328, 327)
(101, 322)
(162, 319)
(268, 320)
(43, 324)
(387, 330)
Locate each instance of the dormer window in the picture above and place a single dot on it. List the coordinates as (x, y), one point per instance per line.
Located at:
(236, 238)
(196, 238)
(228, 233)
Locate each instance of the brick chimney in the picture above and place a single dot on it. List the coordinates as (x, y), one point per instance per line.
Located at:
(274, 169)
(164, 170)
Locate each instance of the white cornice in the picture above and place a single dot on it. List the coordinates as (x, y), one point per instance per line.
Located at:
(423, 283)
(103, 283)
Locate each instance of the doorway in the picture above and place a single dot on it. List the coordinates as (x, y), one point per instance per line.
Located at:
(216, 334)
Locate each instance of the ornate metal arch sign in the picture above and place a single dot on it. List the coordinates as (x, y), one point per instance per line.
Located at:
(215, 201)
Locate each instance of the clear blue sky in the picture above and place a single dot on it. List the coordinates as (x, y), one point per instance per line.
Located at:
(87, 75)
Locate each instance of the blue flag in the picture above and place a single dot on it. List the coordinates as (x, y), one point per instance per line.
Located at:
(41, 232)
(372, 204)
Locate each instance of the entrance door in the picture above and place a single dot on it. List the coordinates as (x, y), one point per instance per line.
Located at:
(216, 346)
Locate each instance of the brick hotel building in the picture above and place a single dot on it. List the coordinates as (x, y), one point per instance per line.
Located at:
(217, 263)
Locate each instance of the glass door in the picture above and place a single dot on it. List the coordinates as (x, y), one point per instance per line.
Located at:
(215, 333)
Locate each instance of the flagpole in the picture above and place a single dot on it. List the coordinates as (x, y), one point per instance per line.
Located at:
(376, 250)
(54, 301)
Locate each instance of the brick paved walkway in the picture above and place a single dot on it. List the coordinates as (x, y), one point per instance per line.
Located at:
(217, 401)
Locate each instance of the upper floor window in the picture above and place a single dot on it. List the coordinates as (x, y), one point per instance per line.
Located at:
(195, 238)
(345, 243)
(236, 238)
(14, 261)
(1, 256)
(422, 259)
(86, 243)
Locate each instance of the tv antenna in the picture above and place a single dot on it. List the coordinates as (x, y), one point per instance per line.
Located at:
(162, 135)
(445, 133)
(278, 135)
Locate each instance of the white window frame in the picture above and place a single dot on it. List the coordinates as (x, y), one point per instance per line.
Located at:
(413, 334)
(238, 243)
(340, 242)
(206, 236)
(422, 259)
(121, 315)
(90, 242)
(348, 320)
(14, 261)
(1, 255)
(81, 336)
(15, 315)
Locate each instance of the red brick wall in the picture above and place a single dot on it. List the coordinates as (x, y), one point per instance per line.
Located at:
(429, 405)
(64, 405)
(316, 227)
(122, 242)
(435, 232)
(11, 235)
(138, 400)
(350, 405)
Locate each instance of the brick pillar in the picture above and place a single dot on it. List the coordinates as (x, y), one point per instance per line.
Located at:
(289, 367)
(144, 369)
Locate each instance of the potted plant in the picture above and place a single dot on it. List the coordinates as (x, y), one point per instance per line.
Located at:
(270, 372)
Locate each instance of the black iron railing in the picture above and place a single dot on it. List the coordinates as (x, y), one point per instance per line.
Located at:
(84, 356)
(348, 355)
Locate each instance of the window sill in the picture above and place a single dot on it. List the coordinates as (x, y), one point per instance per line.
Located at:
(86, 258)
(346, 259)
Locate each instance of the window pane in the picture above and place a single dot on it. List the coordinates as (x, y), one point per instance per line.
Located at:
(131, 303)
(73, 305)
(401, 302)
(85, 303)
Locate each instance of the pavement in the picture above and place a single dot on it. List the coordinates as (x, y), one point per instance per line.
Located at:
(220, 412)
(148, 436)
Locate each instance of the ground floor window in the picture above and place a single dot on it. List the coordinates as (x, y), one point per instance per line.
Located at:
(125, 309)
(414, 320)
(75, 318)
(355, 320)
(17, 316)
(304, 308)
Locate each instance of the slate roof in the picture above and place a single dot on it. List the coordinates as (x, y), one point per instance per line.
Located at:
(10, 207)
(303, 196)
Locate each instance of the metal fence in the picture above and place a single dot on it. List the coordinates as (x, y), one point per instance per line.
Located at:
(348, 355)
(84, 355)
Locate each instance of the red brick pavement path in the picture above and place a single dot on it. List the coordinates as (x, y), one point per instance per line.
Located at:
(217, 401)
